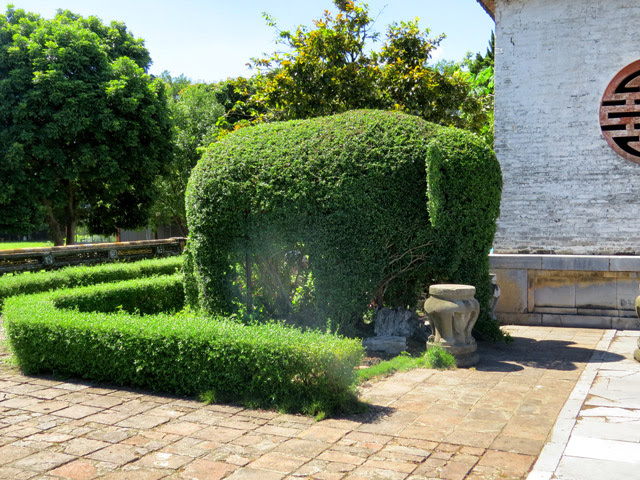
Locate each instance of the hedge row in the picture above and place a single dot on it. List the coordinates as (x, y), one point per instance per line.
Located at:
(265, 365)
(28, 282)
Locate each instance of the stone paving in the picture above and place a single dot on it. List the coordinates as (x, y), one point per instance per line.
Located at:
(490, 422)
(597, 434)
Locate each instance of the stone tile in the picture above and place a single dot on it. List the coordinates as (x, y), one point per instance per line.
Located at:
(110, 434)
(608, 412)
(108, 417)
(162, 460)
(206, 470)
(42, 461)
(278, 462)
(77, 411)
(376, 473)
(19, 402)
(118, 454)
(597, 448)
(323, 470)
(134, 475)
(513, 444)
(47, 406)
(50, 436)
(104, 401)
(277, 430)
(376, 463)
(181, 428)
(242, 423)
(572, 468)
(16, 474)
(597, 427)
(303, 448)
(49, 393)
(142, 421)
(253, 474)
(217, 434)
(337, 456)
(323, 433)
(507, 463)
(83, 446)
(9, 453)
(76, 470)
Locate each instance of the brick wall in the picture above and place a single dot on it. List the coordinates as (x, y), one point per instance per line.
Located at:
(565, 190)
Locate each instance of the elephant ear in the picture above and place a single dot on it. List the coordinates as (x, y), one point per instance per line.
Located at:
(464, 185)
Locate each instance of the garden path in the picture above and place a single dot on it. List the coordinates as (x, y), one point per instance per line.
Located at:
(490, 422)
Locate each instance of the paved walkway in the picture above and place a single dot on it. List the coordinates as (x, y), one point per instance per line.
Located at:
(597, 434)
(491, 422)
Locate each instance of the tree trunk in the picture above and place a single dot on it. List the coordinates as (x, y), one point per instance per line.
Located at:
(249, 274)
(70, 214)
(71, 231)
(54, 225)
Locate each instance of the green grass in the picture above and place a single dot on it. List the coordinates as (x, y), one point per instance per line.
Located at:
(14, 245)
(435, 357)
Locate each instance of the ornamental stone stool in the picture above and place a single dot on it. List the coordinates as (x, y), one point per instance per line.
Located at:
(452, 311)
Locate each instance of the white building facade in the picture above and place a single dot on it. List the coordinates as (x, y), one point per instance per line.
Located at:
(569, 229)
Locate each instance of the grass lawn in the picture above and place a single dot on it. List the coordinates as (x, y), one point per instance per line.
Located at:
(13, 245)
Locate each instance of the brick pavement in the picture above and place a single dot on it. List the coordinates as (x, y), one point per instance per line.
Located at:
(490, 422)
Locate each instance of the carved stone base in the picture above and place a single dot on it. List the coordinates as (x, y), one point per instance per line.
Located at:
(452, 311)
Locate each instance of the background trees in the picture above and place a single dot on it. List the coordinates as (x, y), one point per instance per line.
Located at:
(195, 111)
(84, 130)
(329, 69)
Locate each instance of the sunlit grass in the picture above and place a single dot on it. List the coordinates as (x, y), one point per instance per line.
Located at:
(435, 357)
(14, 245)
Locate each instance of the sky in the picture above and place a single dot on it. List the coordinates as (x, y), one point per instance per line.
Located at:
(211, 40)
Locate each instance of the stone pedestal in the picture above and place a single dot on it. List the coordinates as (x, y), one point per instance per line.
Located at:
(452, 311)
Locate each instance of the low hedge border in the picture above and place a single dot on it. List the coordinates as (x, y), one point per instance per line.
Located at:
(27, 282)
(265, 365)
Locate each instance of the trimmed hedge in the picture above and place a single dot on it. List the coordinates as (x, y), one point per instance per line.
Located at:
(265, 365)
(383, 203)
(28, 282)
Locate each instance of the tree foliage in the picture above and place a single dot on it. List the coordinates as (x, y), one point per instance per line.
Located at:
(195, 111)
(328, 69)
(83, 128)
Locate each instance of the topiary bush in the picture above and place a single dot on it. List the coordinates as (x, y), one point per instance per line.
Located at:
(381, 205)
(265, 365)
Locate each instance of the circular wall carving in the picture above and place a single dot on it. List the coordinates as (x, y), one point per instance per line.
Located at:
(620, 113)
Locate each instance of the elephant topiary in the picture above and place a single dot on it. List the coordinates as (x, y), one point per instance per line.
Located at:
(382, 204)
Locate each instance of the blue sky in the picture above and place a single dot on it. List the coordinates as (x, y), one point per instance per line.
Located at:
(212, 40)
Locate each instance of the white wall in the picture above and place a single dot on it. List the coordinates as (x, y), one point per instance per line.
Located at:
(565, 190)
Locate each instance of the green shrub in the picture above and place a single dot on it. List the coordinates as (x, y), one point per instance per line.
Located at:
(143, 296)
(437, 357)
(382, 204)
(266, 365)
(28, 282)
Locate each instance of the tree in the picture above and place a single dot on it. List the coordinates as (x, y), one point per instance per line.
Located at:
(84, 129)
(328, 70)
(481, 73)
(195, 111)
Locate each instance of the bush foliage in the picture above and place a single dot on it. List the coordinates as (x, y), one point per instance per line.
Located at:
(381, 204)
(27, 282)
(264, 365)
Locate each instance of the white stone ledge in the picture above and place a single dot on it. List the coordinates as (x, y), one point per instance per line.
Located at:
(587, 263)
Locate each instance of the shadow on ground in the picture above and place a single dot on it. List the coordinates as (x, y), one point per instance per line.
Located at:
(546, 354)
